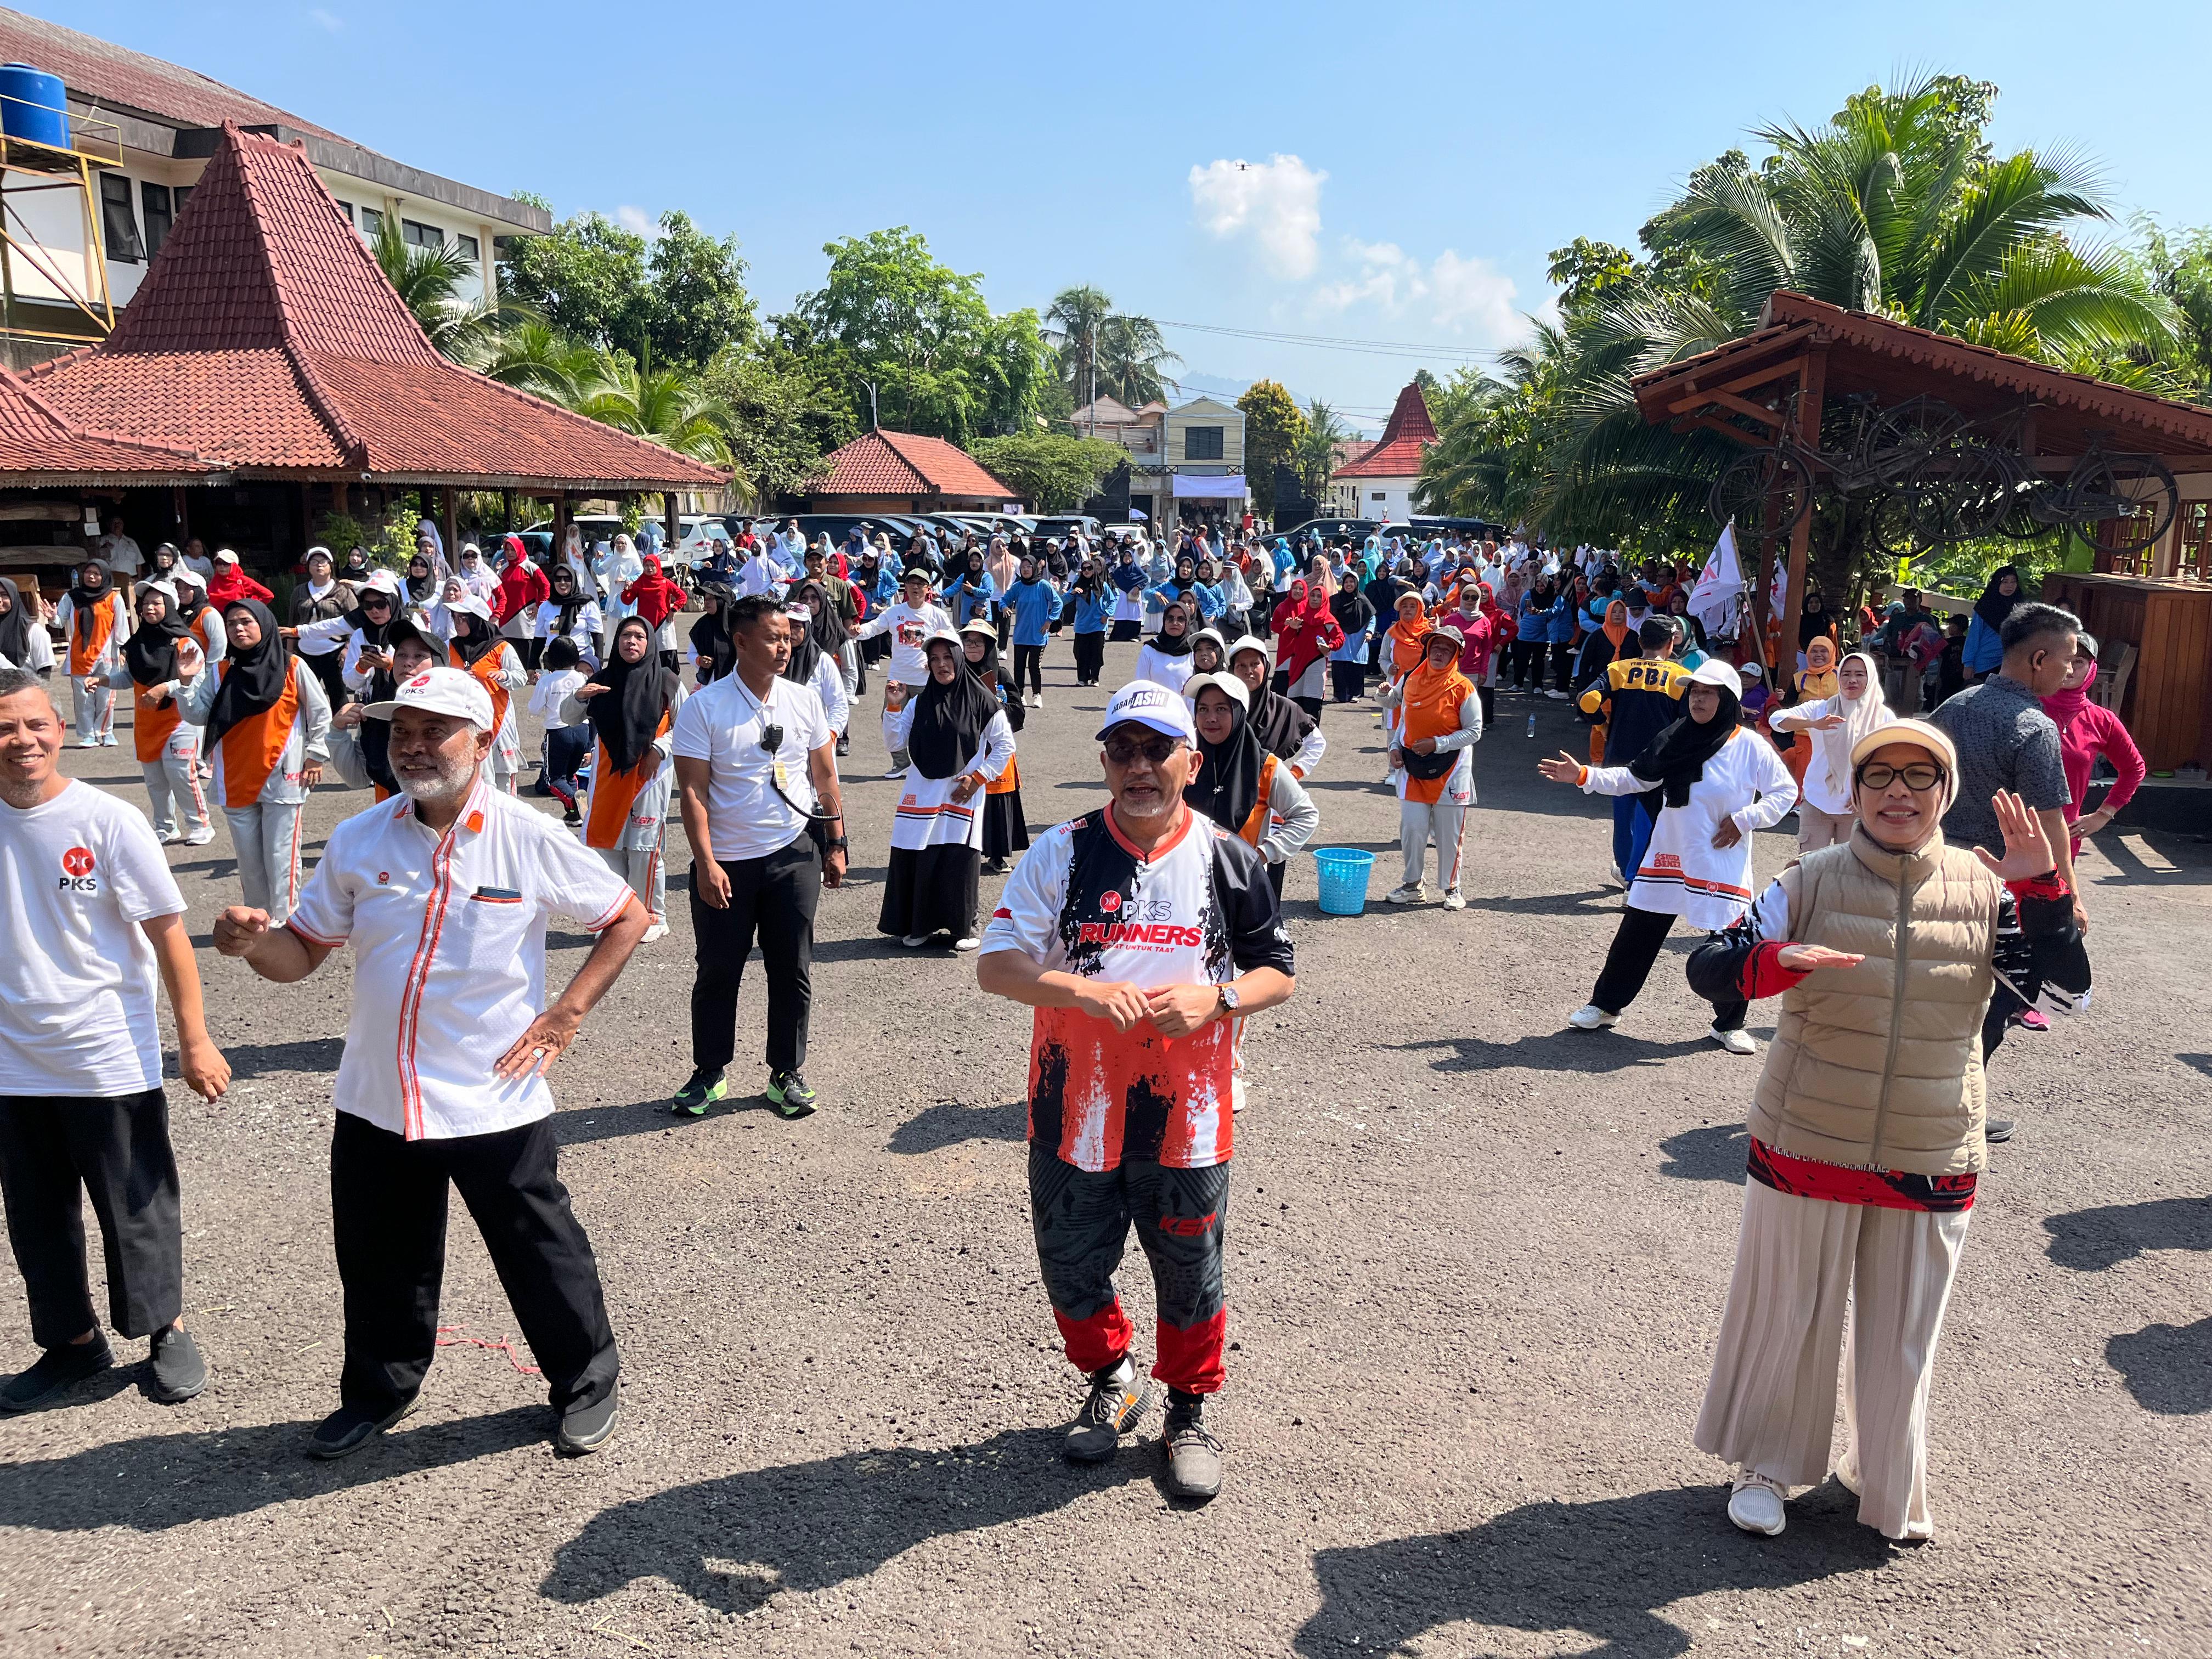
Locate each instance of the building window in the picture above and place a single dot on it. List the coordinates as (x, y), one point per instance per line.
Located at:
(1201, 443)
(118, 226)
(2193, 541)
(179, 194)
(1378, 496)
(470, 250)
(345, 208)
(160, 215)
(372, 224)
(420, 235)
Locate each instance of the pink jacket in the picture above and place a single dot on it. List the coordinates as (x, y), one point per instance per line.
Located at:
(2085, 731)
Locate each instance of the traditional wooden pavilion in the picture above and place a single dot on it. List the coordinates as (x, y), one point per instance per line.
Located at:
(2158, 601)
(266, 347)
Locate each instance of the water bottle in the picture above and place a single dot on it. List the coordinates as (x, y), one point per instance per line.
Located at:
(1532, 725)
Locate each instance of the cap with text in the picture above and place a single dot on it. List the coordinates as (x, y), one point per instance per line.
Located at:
(1145, 702)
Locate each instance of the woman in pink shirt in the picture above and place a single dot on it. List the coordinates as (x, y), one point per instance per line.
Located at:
(2085, 731)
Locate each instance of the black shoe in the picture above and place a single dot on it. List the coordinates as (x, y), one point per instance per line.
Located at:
(1998, 1130)
(693, 1098)
(178, 1371)
(1194, 1453)
(57, 1369)
(570, 816)
(585, 1429)
(788, 1093)
(844, 746)
(347, 1430)
(1117, 1402)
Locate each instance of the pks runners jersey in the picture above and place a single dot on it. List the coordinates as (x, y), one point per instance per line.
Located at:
(1198, 911)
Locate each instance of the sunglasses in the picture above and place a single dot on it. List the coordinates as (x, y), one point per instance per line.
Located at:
(1920, 775)
(1123, 751)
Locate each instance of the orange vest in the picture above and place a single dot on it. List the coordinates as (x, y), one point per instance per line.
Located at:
(613, 794)
(85, 652)
(255, 747)
(1007, 781)
(151, 727)
(487, 669)
(1255, 827)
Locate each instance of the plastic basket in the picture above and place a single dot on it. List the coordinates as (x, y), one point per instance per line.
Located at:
(1344, 873)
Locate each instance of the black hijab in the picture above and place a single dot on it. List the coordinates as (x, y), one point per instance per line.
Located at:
(1353, 610)
(627, 714)
(1176, 645)
(1676, 758)
(1227, 786)
(253, 679)
(374, 736)
(806, 654)
(87, 599)
(150, 652)
(1279, 725)
(949, 719)
(1994, 607)
(15, 625)
(376, 634)
(568, 604)
(428, 595)
(710, 634)
(355, 567)
(824, 623)
(473, 637)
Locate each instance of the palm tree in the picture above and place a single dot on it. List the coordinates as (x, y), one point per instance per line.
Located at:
(1314, 456)
(1072, 324)
(533, 357)
(429, 280)
(667, 405)
(1134, 360)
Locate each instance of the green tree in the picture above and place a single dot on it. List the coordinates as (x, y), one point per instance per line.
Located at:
(1053, 472)
(2179, 267)
(694, 302)
(1073, 323)
(533, 355)
(679, 298)
(1272, 427)
(671, 406)
(1134, 360)
(429, 279)
(780, 419)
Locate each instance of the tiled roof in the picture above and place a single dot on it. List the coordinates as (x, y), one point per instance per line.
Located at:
(266, 337)
(114, 77)
(36, 439)
(903, 463)
(1406, 436)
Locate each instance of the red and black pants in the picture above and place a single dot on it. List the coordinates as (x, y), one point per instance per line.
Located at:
(1082, 1220)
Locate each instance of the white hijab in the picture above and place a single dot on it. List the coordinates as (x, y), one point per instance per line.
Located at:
(1868, 712)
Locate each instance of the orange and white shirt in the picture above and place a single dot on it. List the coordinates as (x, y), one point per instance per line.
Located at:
(449, 934)
(94, 649)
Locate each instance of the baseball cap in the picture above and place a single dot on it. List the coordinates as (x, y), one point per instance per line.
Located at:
(1246, 642)
(1714, 672)
(440, 692)
(1146, 703)
(1227, 684)
(226, 556)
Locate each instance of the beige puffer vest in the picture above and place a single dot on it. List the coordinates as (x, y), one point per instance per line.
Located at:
(1880, 1066)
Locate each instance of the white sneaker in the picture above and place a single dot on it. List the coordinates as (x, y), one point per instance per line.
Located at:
(914, 941)
(1452, 899)
(1756, 1506)
(895, 772)
(1038, 700)
(969, 944)
(1590, 1017)
(657, 931)
(1736, 1043)
(1411, 893)
(1612, 874)
(201, 839)
(169, 838)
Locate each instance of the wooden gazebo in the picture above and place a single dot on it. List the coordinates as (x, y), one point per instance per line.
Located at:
(1806, 355)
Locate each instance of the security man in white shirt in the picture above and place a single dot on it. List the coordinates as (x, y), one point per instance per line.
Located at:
(445, 896)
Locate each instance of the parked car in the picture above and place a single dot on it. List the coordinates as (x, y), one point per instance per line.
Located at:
(1425, 525)
(999, 524)
(836, 526)
(1330, 530)
(1066, 525)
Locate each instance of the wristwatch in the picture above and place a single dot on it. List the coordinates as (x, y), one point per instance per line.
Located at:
(1230, 1001)
(841, 845)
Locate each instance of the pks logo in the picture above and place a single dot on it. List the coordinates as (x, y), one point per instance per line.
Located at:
(419, 681)
(76, 871)
(1109, 902)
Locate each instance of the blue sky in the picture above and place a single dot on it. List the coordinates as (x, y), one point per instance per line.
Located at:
(1406, 168)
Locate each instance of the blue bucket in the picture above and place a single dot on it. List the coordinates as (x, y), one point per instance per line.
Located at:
(34, 106)
(1344, 873)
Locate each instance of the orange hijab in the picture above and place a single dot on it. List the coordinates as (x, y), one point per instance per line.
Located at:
(1616, 624)
(1406, 636)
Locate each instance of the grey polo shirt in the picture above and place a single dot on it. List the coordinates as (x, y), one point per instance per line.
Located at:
(2005, 741)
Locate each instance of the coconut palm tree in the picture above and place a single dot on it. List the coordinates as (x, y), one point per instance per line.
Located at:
(1134, 360)
(667, 405)
(1314, 456)
(1073, 323)
(534, 357)
(429, 280)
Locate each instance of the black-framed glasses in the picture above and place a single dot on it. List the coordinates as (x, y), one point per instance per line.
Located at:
(1123, 751)
(1920, 775)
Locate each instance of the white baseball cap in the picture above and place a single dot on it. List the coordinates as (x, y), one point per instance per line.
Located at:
(1146, 703)
(1713, 672)
(1245, 642)
(440, 692)
(1227, 684)
(226, 556)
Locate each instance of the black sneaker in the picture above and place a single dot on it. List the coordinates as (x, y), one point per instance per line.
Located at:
(348, 1429)
(788, 1093)
(1118, 1399)
(585, 1429)
(1998, 1130)
(178, 1371)
(1194, 1453)
(693, 1098)
(57, 1369)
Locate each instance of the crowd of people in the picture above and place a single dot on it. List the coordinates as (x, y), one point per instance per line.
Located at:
(1934, 865)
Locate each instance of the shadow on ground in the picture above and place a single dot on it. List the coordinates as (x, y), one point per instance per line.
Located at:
(1605, 1569)
(2168, 1368)
(951, 1122)
(2090, 1241)
(166, 1479)
(1554, 1051)
(732, 1543)
(1717, 1152)
(316, 1054)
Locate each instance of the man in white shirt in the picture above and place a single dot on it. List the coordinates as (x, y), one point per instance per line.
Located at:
(89, 915)
(122, 556)
(756, 772)
(445, 896)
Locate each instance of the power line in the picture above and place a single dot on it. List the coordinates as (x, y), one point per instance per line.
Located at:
(1333, 342)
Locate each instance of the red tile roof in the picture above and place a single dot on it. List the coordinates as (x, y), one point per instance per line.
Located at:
(903, 463)
(39, 446)
(1408, 434)
(266, 337)
(114, 77)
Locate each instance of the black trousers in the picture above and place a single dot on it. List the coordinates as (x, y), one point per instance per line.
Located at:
(1636, 946)
(773, 898)
(328, 671)
(1089, 658)
(388, 1217)
(1028, 664)
(1006, 620)
(1277, 875)
(56, 1150)
(1349, 679)
(1313, 706)
(1488, 696)
(1563, 666)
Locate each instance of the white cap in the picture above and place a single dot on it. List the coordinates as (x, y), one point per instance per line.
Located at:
(1713, 672)
(1227, 684)
(1147, 703)
(226, 556)
(983, 628)
(1245, 642)
(440, 692)
(379, 581)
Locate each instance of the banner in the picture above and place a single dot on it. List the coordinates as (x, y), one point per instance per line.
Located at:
(1720, 585)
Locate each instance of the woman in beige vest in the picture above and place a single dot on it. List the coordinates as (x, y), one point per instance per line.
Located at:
(1866, 1130)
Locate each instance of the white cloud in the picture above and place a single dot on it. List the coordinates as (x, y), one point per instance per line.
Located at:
(1467, 295)
(328, 20)
(638, 222)
(1275, 203)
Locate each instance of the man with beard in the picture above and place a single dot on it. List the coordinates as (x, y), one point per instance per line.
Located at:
(444, 898)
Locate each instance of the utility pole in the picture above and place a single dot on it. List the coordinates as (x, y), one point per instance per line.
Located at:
(874, 424)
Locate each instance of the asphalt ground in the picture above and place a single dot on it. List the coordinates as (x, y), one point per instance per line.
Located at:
(1476, 1264)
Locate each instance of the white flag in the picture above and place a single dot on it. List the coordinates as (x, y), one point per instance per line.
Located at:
(1720, 584)
(1778, 590)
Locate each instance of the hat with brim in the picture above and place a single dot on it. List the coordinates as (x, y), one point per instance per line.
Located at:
(1714, 672)
(983, 629)
(1246, 642)
(1147, 703)
(1228, 684)
(439, 691)
(1920, 734)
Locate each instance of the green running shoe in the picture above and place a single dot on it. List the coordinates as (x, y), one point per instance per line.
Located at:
(788, 1093)
(692, 1099)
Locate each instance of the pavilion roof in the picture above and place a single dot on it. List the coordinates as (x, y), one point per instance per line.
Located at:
(1407, 436)
(39, 447)
(266, 340)
(904, 463)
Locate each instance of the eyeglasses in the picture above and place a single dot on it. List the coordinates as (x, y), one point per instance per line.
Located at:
(1920, 775)
(1123, 751)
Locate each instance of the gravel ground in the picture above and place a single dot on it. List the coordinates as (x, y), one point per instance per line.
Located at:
(1476, 1267)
